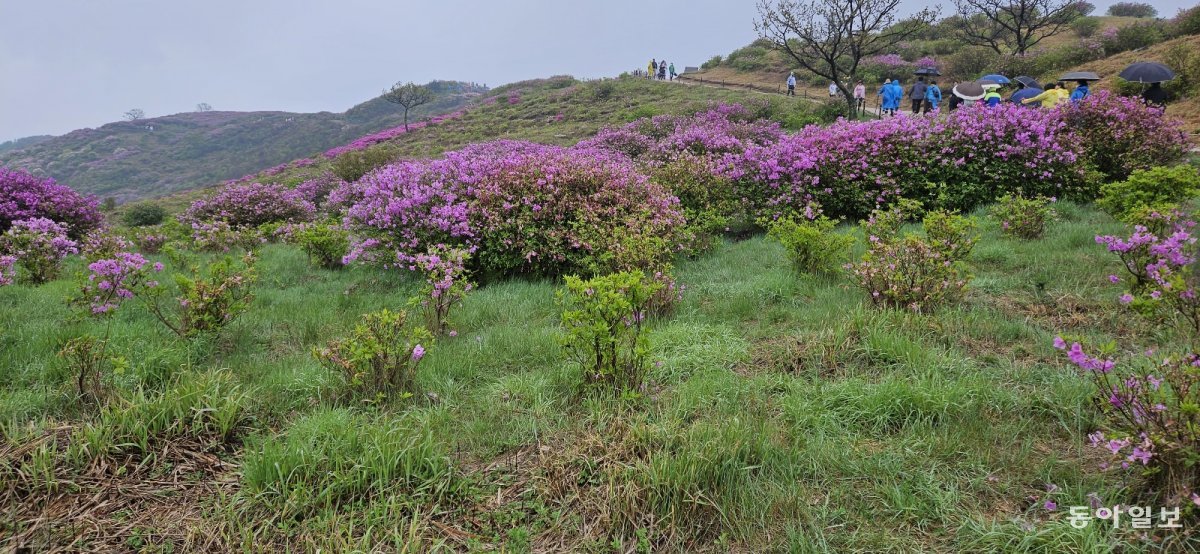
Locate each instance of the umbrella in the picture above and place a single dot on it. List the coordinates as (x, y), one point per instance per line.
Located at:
(968, 91)
(995, 77)
(1147, 72)
(1028, 81)
(928, 71)
(988, 84)
(1079, 76)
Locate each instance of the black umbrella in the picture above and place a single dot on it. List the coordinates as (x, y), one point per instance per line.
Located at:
(1079, 76)
(928, 71)
(968, 91)
(1028, 81)
(1147, 72)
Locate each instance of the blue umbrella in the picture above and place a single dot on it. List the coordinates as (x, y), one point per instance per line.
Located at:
(996, 77)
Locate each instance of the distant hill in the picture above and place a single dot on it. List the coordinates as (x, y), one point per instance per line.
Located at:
(156, 156)
(25, 142)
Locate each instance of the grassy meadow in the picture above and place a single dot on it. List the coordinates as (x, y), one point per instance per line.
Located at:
(784, 414)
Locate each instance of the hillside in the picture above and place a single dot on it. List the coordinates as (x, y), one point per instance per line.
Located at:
(23, 142)
(558, 110)
(155, 156)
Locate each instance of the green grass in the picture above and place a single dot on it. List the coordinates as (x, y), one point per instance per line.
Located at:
(786, 415)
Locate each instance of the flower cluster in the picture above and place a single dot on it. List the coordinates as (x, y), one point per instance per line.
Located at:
(446, 284)
(316, 190)
(251, 205)
(39, 246)
(518, 208)
(388, 134)
(113, 280)
(24, 196)
(150, 242)
(103, 243)
(1148, 403)
(1119, 135)
(6, 269)
(1161, 262)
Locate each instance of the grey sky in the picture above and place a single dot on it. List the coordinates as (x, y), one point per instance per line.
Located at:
(66, 64)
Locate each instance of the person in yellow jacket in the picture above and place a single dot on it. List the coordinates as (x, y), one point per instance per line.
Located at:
(1052, 96)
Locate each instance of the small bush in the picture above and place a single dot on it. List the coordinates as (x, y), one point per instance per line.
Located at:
(325, 244)
(912, 272)
(247, 206)
(1159, 188)
(39, 246)
(380, 358)
(1021, 217)
(150, 241)
(1132, 9)
(604, 319)
(1187, 22)
(1132, 37)
(953, 234)
(207, 301)
(351, 166)
(1086, 26)
(1120, 135)
(812, 245)
(446, 284)
(143, 214)
(712, 62)
(103, 243)
(832, 109)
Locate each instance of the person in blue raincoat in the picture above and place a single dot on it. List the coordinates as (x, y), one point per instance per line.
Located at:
(933, 97)
(1082, 91)
(892, 94)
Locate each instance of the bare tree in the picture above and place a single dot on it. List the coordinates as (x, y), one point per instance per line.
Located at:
(1014, 26)
(203, 107)
(408, 95)
(135, 114)
(830, 38)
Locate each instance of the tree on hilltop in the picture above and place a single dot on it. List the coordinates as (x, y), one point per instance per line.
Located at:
(203, 107)
(135, 114)
(408, 95)
(830, 38)
(1015, 25)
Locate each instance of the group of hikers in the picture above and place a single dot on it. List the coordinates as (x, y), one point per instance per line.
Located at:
(926, 96)
(660, 70)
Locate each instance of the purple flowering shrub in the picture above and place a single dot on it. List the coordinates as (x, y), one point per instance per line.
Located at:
(380, 357)
(149, 241)
(316, 190)
(1024, 218)
(24, 196)
(1119, 135)
(248, 206)
(446, 285)
(519, 208)
(39, 246)
(103, 243)
(604, 329)
(6, 269)
(1149, 402)
(113, 280)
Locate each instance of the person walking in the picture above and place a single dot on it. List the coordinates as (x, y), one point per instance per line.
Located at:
(651, 69)
(662, 70)
(1049, 97)
(1156, 96)
(1081, 91)
(933, 97)
(1023, 92)
(992, 98)
(892, 93)
(672, 71)
(860, 97)
(791, 84)
(833, 89)
(917, 95)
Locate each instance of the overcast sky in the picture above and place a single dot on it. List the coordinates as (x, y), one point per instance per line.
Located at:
(67, 64)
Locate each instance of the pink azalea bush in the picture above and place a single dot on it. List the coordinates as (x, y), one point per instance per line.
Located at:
(114, 280)
(6, 269)
(388, 134)
(446, 284)
(1149, 401)
(519, 208)
(103, 243)
(24, 196)
(1119, 135)
(39, 246)
(251, 205)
